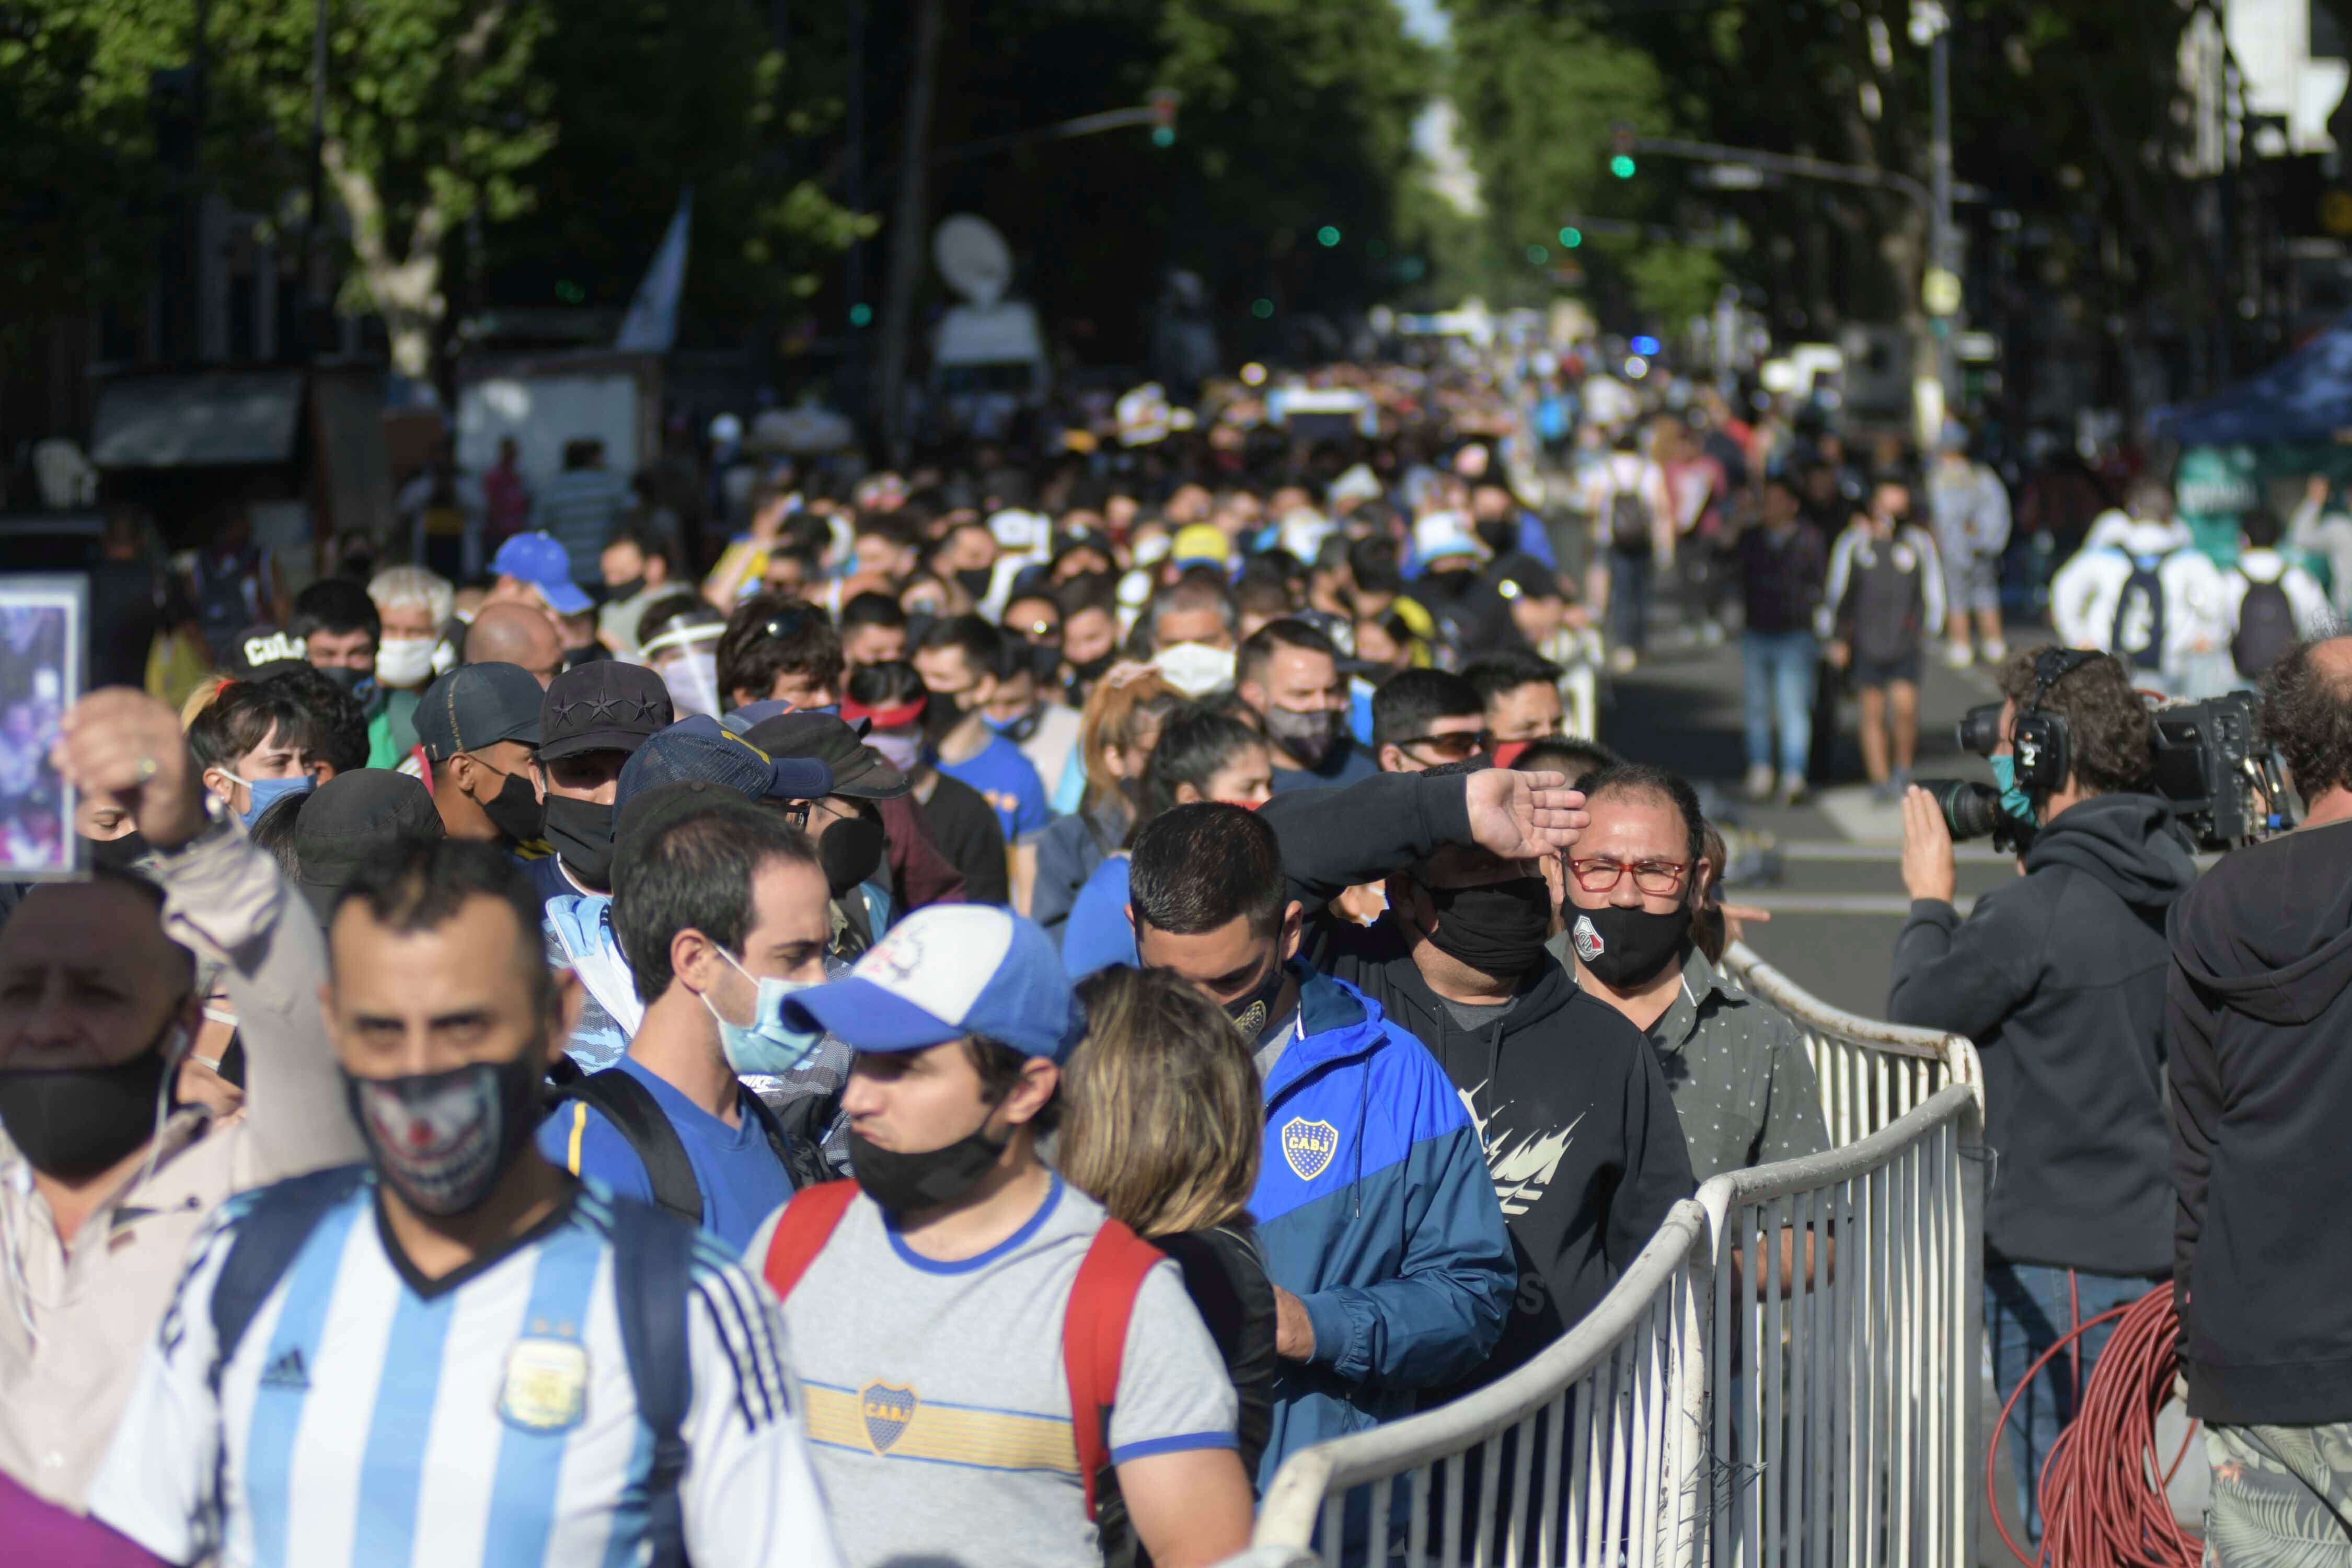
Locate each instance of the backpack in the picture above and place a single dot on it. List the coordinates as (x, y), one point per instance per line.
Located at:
(1094, 1324)
(634, 1113)
(651, 1275)
(2266, 628)
(1629, 516)
(2137, 635)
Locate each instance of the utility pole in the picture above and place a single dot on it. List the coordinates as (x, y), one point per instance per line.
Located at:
(906, 231)
(1941, 288)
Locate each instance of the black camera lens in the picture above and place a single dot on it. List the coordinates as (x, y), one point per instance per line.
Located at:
(1972, 810)
(1979, 730)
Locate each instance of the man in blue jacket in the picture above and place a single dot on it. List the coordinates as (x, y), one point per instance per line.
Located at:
(1391, 1268)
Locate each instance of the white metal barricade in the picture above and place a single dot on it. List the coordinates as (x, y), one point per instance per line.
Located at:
(1871, 1072)
(1590, 1453)
(1843, 1349)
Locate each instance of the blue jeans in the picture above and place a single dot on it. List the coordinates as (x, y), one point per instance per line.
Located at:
(1629, 598)
(1777, 668)
(2028, 1309)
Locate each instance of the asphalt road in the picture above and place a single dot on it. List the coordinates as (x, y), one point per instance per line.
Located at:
(1837, 900)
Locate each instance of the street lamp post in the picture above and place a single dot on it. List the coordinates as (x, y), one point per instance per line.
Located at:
(1931, 25)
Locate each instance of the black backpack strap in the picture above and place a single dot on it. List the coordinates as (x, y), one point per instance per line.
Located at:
(802, 1161)
(269, 1235)
(652, 1273)
(634, 1113)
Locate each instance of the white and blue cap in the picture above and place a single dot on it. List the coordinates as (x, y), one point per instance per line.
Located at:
(944, 972)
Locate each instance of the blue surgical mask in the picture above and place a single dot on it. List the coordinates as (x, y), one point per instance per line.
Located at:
(2013, 800)
(766, 1044)
(263, 793)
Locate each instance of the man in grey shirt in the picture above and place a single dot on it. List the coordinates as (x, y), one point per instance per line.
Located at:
(1737, 1071)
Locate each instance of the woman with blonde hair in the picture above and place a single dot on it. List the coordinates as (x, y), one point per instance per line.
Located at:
(1116, 731)
(1162, 1124)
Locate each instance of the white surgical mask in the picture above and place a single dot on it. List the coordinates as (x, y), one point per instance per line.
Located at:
(405, 661)
(1195, 668)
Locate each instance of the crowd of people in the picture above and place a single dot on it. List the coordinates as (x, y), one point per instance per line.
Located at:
(980, 1022)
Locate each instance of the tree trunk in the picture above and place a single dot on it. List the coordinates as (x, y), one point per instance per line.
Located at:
(908, 228)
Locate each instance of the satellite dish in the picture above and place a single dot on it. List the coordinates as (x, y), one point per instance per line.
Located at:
(974, 258)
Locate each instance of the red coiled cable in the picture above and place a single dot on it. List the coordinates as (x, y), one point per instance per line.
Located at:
(2101, 1495)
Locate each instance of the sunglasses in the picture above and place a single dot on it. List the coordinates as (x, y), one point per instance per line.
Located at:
(1458, 745)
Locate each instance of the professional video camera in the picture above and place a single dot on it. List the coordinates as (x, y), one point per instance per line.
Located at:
(2226, 788)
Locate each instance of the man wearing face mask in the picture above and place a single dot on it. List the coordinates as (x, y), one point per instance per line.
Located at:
(1739, 1073)
(1288, 674)
(2059, 978)
(1580, 1142)
(250, 747)
(341, 633)
(1391, 1268)
(945, 1297)
(848, 825)
(479, 727)
(507, 1365)
(590, 722)
(720, 912)
(103, 1177)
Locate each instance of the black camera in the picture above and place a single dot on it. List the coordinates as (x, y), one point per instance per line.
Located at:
(2225, 785)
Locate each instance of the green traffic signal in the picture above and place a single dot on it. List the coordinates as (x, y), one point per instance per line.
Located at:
(1622, 165)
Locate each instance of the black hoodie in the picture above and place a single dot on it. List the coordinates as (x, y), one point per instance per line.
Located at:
(2260, 1020)
(1583, 1141)
(2058, 979)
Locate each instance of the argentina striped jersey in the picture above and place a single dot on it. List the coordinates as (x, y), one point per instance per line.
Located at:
(485, 1420)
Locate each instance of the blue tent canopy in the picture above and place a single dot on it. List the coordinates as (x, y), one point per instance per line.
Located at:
(2304, 399)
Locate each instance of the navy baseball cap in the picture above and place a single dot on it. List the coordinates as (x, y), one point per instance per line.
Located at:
(537, 559)
(700, 748)
(477, 705)
(601, 706)
(946, 971)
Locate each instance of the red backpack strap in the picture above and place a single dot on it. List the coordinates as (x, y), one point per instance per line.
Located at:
(802, 1231)
(1094, 1338)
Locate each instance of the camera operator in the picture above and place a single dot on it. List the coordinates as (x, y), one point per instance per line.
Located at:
(2259, 1020)
(2058, 979)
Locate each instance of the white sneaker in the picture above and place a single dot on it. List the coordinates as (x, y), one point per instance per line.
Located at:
(1758, 786)
(1958, 655)
(1995, 651)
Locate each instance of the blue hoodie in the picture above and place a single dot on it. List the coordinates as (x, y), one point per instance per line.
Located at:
(1374, 1208)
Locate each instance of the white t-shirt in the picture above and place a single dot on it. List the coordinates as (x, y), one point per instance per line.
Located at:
(485, 1421)
(938, 1407)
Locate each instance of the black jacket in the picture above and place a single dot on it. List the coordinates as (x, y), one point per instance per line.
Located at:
(2058, 979)
(1582, 1139)
(2259, 1021)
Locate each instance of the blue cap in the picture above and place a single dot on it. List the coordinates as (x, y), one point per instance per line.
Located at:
(701, 748)
(537, 559)
(946, 971)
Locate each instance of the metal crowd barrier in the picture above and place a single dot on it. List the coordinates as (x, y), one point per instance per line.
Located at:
(1590, 1453)
(1843, 1348)
(1871, 1072)
(1784, 1376)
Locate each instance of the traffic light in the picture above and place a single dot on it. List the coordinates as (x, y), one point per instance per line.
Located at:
(1621, 162)
(1164, 101)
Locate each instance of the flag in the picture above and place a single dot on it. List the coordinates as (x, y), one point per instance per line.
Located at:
(652, 324)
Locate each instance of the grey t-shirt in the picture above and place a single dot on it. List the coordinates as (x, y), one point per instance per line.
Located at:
(938, 1413)
(1472, 1017)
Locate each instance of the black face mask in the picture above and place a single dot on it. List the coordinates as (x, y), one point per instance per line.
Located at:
(1624, 947)
(73, 1123)
(930, 1179)
(1096, 667)
(974, 580)
(850, 852)
(360, 683)
(581, 832)
(1498, 535)
(515, 811)
(942, 714)
(616, 592)
(443, 1138)
(1498, 928)
(1309, 738)
(1251, 1012)
(121, 854)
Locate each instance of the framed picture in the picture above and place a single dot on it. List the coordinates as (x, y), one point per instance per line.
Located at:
(42, 622)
